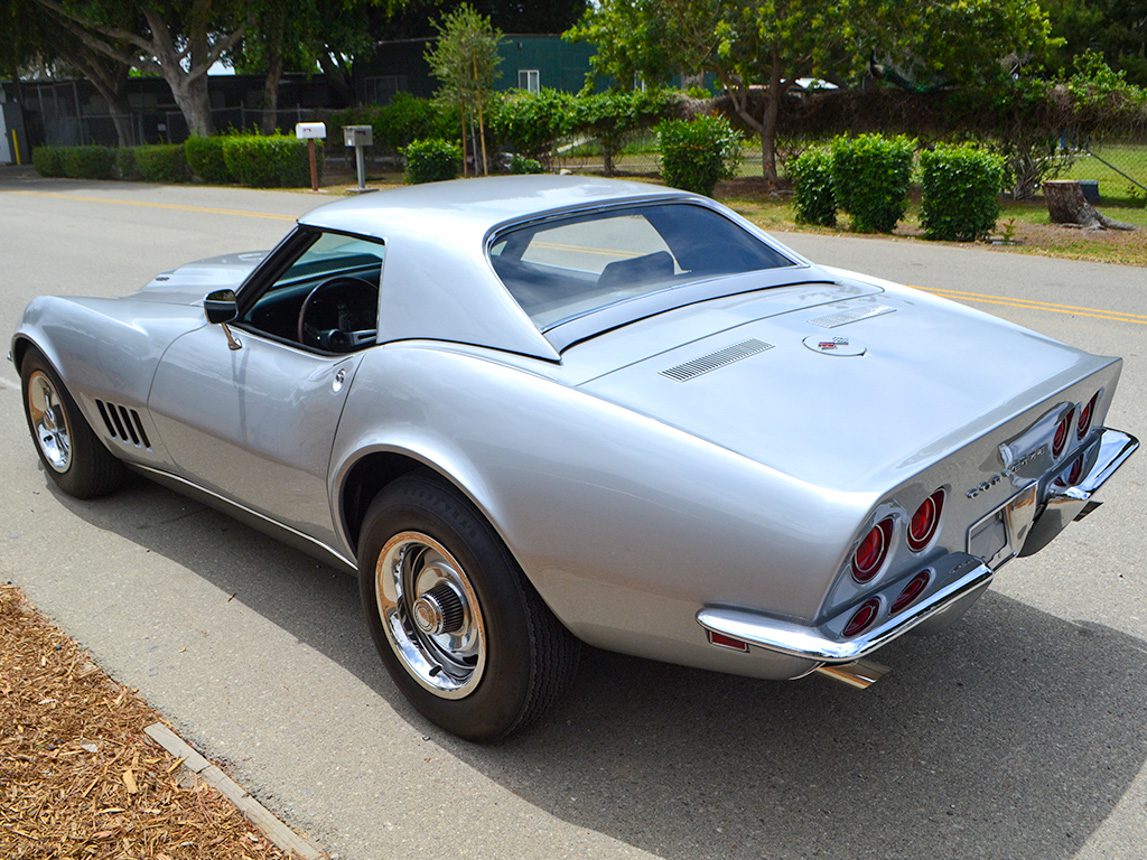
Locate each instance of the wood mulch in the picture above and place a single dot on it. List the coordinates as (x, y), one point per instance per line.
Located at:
(78, 777)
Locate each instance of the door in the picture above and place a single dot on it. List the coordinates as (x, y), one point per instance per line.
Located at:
(255, 421)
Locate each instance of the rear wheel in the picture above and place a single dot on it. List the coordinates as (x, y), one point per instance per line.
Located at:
(72, 454)
(460, 629)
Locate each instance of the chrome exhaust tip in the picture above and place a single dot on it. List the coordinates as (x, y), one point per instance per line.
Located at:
(860, 674)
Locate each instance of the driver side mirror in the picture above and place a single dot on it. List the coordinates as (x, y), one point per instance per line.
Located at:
(221, 306)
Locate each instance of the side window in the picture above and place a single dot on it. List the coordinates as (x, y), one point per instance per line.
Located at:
(327, 298)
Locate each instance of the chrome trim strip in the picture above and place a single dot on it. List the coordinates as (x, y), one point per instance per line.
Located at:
(231, 502)
(810, 643)
(1115, 447)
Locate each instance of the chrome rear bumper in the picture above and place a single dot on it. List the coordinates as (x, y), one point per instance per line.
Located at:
(822, 645)
(1064, 504)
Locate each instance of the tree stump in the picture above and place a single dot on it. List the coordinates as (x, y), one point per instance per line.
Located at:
(1067, 205)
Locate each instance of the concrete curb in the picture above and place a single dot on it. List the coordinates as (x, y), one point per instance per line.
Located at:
(274, 829)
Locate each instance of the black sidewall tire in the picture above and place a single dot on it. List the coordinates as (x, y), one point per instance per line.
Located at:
(93, 470)
(500, 703)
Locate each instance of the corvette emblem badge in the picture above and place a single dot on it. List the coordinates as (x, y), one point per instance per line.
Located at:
(834, 346)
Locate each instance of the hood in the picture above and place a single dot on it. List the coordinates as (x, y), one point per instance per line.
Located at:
(188, 284)
(852, 394)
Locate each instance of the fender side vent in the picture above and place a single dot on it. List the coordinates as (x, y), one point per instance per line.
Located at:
(123, 424)
(712, 361)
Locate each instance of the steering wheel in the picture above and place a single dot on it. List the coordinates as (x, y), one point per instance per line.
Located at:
(343, 314)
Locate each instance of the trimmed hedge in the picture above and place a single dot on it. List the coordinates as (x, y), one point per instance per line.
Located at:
(89, 162)
(812, 188)
(161, 162)
(204, 156)
(871, 174)
(272, 161)
(697, 153)
(431, 160)
(125, 163)
(961, 187)
(48, 160)
(407, 118)
(532, 123)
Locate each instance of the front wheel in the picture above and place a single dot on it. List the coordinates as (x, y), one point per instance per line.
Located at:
(460, 629)
(72, 454)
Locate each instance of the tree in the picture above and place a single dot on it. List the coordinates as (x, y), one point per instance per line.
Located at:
(1115, 28)
(464, 58)
(178, 41)
(33, 38)
(759, 48)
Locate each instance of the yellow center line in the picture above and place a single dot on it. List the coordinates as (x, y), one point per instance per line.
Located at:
(1031, 305)
(146, 204)
(1035, 303)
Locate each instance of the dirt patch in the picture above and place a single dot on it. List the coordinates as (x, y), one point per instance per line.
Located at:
(78, 777)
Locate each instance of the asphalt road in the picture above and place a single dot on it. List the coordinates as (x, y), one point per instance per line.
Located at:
(1020, 733)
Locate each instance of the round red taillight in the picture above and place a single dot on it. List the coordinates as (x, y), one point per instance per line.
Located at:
(863, 617)
(1061, 431)
(1085, 416)
(923, 524)
(912, 590)
(1076, 471)
(872, 551)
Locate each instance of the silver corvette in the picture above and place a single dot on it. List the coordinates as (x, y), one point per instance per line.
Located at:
(534, 411)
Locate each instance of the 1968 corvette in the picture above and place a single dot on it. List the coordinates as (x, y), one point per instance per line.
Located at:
(536, 410)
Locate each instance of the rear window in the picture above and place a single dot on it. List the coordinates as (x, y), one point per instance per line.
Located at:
(562, 269)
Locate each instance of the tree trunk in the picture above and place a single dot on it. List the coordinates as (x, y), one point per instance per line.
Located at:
(276, 25)
(1067, 205)
(337, 79)
(773, 96)
(191, 97)
(465, 167)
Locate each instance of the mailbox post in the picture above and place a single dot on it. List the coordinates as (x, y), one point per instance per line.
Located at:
(310, 132)
(359, 136)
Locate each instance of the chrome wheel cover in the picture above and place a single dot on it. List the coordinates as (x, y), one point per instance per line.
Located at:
(430, 614)
(49, 422)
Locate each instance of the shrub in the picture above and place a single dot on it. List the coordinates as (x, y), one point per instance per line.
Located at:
(204, 156)
(274, 160)
(812, 187)
(870, 179)
(961, 186)
(48, 160)
(432, 160)
(533, 123)
(161, 162)
(611, 118)
(521, 164)
(125, 163)
(89, 162)
(697, 153)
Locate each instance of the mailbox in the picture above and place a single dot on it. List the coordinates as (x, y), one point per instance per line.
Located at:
(311, 130)
(358, 135)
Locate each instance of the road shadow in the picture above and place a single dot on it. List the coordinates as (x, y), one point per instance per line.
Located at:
(1013, 734)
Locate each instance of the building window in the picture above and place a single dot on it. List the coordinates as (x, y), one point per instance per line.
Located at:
(529, 80)
(381, 89)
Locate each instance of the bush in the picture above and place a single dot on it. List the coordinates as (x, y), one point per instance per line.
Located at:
(961, 186)
(697, 153)
(521, 164)
(161, 162)
(432, 160)
(870, 179)
(204, 156)
(274, 160)
(48, 160)
(533, 123)
(125, 163)
(88, 162)
(812, 187)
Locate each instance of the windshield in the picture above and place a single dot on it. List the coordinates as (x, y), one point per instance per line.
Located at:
(562, 269)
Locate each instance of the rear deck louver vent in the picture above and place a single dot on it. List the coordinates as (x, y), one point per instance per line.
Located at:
(123, 424)
(712, 361)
